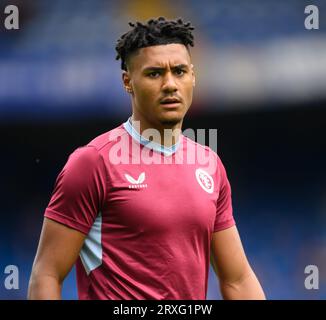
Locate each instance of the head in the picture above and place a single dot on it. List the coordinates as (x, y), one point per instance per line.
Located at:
(157, 70)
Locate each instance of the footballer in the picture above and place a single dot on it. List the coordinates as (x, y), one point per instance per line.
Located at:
(137, 218)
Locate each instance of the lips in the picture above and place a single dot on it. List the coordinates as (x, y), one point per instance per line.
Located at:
(168, 101)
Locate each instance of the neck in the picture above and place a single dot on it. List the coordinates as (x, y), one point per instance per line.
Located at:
(166, 134)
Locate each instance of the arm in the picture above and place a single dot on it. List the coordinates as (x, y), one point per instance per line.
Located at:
(237, 279)
(78, 195)
(57, 252)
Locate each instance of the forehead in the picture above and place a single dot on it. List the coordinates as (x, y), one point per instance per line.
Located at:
(160, 56)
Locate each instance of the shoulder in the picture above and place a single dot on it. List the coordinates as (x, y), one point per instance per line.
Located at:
(105, 140)
(205, 152)
(193, 144)
(90, 156)
(84, 157)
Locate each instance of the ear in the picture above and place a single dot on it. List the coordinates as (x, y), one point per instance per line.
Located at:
(126, 81)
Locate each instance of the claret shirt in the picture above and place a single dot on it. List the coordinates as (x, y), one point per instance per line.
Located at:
(148, 213)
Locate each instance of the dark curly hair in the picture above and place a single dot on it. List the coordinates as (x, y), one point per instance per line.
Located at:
(154, 32)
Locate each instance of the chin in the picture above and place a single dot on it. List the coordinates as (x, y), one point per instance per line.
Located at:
(171, 120)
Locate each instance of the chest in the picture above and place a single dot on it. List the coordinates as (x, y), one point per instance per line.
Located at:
(161, 198)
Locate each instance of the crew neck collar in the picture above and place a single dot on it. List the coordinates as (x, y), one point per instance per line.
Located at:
(167, 151)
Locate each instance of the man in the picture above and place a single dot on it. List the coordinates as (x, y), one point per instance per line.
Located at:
(138, 218)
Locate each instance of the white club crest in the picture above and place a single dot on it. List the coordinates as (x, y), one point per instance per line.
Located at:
(205, 180)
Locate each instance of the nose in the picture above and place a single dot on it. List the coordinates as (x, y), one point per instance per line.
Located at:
(169, 84)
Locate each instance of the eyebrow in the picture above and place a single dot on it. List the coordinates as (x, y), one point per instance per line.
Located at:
(179, 66)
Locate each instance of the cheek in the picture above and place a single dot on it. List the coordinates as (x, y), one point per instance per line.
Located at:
(146, 90)
(188, 89)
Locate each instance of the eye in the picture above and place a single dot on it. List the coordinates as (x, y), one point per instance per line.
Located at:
(154, 74)
(179, 72)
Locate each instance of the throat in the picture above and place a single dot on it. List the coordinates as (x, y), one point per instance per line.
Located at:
(167, 134)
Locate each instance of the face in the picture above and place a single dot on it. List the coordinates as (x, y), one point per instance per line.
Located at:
(161, 81)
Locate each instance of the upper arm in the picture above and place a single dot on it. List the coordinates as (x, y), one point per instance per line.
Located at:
(228, 257)
(80, 190)
(224, 213)
(58, 249)
(77, 199)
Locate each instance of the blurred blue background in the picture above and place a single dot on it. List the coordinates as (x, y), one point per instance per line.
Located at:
(261, 81)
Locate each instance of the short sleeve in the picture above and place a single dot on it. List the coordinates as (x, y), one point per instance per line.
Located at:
(224, 212)
(79, 190)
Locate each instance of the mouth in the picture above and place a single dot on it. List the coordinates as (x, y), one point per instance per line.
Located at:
(170, 102)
